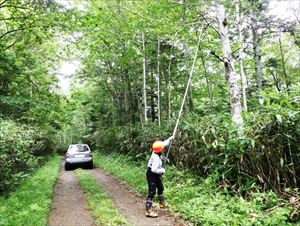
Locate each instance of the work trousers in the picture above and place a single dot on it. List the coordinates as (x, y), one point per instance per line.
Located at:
(154, 182)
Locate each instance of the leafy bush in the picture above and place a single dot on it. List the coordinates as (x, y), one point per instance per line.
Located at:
(22, 148)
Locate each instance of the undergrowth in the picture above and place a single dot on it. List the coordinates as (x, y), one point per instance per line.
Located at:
(103, 209)
(23, 149)
(30, 204)
(201, 201)
(266, 154)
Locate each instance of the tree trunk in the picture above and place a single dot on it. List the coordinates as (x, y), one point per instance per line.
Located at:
(209, 89)
(276, 80)
(186, 55)
(158, 81)
(241, 42)
(230, 73)
(131, 105)
(136, 104)
(144, 80)
(256, 46)
(169, 85)
(152, 102)
(191, 104)
(283, 66)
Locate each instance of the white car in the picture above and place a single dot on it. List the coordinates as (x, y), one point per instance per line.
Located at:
(78, 155)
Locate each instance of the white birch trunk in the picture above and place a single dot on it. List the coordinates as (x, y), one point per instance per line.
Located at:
(256, 48)
(169, 85)
(240, 38)
(230, 73)
(144, 79)
(158, 80)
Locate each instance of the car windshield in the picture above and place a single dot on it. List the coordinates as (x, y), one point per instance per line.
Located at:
(78, 148)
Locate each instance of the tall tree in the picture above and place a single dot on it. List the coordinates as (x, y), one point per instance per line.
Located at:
(256, 39)
(158, 81)
(230, 74)
(144, 79)
(240, 53)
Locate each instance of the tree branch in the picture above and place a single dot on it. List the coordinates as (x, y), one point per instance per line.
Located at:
(19, 29)
(8, 32)
(132, 11)
(11, 45)
(137, 13)
(179, 3)
(14, 18)
(213, 53)
(35, 85)
(14, 6)
(2, 3)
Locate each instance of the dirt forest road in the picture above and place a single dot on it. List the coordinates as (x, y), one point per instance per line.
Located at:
(68, 203)
(69, 207)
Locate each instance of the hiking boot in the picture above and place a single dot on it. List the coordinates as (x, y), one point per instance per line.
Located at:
(162, 205)
(152, 214)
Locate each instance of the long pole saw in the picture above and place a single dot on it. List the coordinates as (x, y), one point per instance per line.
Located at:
(184, 97)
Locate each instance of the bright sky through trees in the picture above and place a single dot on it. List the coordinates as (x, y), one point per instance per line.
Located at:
(65, 73)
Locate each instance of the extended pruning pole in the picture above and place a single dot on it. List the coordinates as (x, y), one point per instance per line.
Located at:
(184, 97)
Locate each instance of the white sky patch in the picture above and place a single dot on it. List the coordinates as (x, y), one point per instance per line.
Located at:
(68, 4)
(65, 73)
(285, 9)
(68, 69)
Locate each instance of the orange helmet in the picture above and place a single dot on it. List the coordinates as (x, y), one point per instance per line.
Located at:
(158, 147)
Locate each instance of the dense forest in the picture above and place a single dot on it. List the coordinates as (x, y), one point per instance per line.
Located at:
(239, 64)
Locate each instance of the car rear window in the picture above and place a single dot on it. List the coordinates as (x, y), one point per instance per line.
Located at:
(78, 148)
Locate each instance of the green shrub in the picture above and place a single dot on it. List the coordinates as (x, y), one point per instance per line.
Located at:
(22, 149)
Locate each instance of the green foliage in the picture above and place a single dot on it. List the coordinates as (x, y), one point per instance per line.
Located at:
(271, 141)
(200, 201)
(23, 148)
(103, 209)
(30, 204)
(210, 143)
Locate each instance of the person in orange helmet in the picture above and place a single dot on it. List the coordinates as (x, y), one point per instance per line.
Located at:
(154, 172)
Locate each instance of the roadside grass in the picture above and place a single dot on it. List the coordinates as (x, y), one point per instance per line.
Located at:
(103, 209)
(200, 201)
(30, 204)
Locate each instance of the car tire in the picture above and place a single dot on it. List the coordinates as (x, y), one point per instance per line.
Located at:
(67, 167)
(91, 165)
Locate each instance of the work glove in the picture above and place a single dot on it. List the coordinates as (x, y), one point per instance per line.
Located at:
(162, 171)
(171, 137)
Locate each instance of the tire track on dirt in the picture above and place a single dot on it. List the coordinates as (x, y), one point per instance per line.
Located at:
(68, 203)
(131, 206)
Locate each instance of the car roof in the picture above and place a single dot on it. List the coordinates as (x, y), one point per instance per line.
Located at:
(78, 145)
